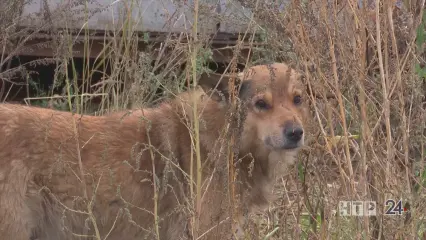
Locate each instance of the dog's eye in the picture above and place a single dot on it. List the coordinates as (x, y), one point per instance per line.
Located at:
(261, 104)
(297, 99)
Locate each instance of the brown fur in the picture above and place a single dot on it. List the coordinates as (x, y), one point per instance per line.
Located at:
(42, 191)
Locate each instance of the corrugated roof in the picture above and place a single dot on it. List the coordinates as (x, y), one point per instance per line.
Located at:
(147, 15)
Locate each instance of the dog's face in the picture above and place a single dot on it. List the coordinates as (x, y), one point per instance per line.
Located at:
(274, 98)
(276, 108)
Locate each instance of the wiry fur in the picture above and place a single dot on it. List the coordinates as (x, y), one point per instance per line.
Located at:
(42, 191)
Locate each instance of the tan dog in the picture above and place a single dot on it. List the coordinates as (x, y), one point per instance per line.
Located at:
(63, 177)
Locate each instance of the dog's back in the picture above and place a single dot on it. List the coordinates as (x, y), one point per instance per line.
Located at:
(40, 153)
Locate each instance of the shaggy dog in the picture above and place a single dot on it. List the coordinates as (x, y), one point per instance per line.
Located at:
(128, 175)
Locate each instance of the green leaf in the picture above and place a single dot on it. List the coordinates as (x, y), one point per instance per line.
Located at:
(421, 72)
(146, 37)
(420, 35)
(319, 219)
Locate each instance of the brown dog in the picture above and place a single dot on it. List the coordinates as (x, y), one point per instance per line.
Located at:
(64, 176)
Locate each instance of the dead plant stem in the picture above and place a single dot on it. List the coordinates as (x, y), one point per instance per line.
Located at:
(196, 123)
(80, 162)
(341, 107)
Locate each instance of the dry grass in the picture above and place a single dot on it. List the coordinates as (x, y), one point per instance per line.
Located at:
(367, 95)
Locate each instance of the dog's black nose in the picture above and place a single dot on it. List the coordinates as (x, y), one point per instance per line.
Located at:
(293, 132)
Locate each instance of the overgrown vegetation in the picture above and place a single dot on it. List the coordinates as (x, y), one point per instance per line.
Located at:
(365, 72)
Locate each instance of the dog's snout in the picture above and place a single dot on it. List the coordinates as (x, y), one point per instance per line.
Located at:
(293, 132)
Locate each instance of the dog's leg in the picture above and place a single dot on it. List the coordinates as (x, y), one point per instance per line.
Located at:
(239, 228)
(239, 232)
(15, 215)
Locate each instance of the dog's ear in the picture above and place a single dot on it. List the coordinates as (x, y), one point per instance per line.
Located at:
(217, 85)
